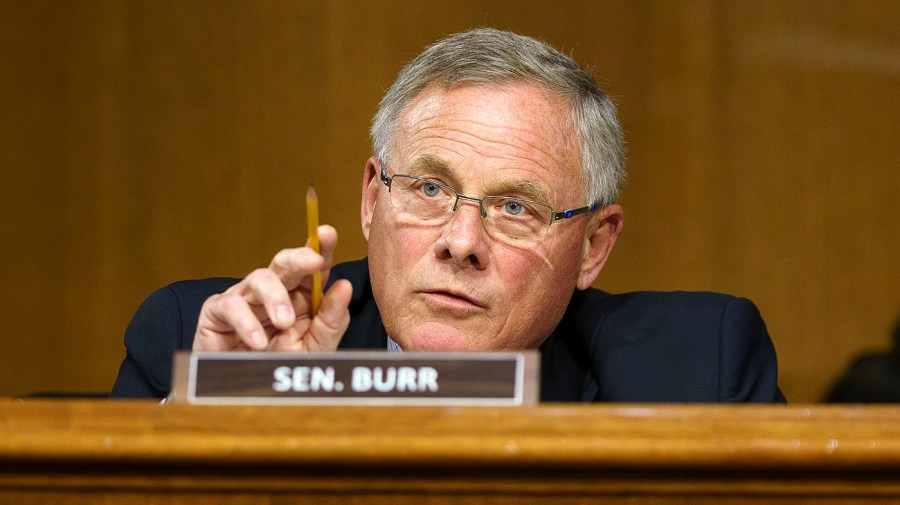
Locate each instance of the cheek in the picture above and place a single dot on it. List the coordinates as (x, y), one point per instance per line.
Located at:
(521, 277)
(518, 271)
(395, 246)
(520, 267)
(544, 272)
(544, 281)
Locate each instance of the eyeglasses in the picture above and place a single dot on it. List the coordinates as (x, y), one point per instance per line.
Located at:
(431, 202)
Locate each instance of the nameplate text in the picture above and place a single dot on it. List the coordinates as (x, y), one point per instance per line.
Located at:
(356, 378)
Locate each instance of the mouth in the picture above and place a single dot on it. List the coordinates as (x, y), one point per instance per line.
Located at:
(453, 299)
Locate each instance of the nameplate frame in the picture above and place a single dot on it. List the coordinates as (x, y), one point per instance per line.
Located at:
(356, 378)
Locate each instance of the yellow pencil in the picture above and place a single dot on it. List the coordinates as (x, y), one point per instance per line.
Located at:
(312, 224)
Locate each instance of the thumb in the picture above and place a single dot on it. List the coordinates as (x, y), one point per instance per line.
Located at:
(330, 323)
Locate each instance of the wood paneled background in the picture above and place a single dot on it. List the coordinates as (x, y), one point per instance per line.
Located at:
(144, 142)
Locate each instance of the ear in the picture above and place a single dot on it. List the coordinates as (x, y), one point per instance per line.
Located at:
(370, 184)
(599, 242)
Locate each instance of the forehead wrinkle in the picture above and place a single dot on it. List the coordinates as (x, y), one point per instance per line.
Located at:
(525, 138)
(556, 153)
(422, 119)
(553, 134)
(554, 126)
(426, 161)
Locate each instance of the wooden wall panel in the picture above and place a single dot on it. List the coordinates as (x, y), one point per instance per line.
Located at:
(145, 142)
(813, 142)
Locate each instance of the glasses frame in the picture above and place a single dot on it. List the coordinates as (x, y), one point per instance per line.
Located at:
(554, 215)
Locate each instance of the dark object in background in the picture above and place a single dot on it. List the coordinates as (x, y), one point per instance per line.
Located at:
(871, 378)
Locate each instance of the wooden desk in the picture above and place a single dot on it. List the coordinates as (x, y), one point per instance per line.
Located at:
(138, 452)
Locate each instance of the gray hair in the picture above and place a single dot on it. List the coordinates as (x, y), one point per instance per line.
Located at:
(491, 56)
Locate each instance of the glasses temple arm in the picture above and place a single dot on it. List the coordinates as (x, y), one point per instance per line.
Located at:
(566, 214)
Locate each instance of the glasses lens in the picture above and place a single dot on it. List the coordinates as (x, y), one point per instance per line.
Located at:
(517, 218)
(421, 198)
(427, 201)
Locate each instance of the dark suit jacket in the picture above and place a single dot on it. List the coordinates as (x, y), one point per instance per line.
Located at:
(635, 347)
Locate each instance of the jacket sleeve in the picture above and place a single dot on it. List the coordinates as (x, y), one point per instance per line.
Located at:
(748, 367)
(151, 338)
(163, 324)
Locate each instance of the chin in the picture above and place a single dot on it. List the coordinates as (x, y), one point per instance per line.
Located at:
(438, 337)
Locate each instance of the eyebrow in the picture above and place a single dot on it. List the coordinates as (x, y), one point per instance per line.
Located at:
(428, 165)
(528, 190)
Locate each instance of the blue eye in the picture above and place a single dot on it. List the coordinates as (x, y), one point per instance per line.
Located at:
(513, 208)
(431, 189)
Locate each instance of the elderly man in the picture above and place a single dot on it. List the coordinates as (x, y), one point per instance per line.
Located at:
(489, 206)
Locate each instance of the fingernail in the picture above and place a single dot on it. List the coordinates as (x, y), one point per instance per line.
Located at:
(283, 313)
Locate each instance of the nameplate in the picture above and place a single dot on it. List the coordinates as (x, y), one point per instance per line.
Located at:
(356, 378)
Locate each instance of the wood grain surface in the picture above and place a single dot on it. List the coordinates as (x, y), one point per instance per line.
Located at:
(73, 450)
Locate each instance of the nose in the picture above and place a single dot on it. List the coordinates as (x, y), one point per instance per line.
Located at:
(464, 240)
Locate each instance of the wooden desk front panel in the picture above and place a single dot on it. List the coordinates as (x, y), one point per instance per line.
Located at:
(137, 452)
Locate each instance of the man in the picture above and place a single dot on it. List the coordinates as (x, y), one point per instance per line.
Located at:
(872, 377)
(489, 210)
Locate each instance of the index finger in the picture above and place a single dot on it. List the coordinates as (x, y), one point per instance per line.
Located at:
(293, 266)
